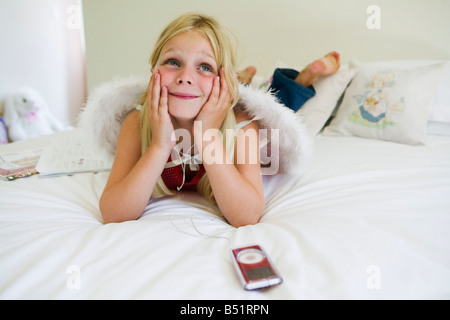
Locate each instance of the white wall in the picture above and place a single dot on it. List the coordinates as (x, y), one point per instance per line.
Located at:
(120, 34)
(42, 47)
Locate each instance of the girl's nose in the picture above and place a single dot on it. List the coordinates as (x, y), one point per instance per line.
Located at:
(185, 77)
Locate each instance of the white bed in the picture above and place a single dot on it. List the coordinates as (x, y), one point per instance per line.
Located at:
(370, 219)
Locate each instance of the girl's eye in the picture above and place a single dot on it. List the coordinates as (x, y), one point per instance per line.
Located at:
(205, 67)
(173, 63)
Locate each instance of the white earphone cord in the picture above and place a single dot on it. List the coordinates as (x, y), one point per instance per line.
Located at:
(199, 233)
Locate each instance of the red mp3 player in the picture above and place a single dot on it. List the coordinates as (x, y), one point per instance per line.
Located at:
(254, 268)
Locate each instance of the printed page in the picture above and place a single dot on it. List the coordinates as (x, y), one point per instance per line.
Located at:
(20, 164)
(73, 154)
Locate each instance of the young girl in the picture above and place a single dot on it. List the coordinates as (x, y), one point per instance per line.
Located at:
(193, 89)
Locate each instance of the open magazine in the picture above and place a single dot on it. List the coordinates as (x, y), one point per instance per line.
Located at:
(72, 154)
(15, 165)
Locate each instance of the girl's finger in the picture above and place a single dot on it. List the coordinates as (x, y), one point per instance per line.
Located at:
(215, 92)
(223, 83)
(163, 100)
(156, 90)
(150, 86)
(225, 96)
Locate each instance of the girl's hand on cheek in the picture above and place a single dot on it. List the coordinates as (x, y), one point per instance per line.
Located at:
(163, 134)
(216, 108)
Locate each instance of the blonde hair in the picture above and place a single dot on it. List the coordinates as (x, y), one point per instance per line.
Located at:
(225, 55)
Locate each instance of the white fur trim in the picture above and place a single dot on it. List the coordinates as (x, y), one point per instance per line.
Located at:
(110, 103)
(108, 106)
(295, 144)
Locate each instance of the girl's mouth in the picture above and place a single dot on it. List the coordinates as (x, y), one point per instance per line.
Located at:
(183, 96)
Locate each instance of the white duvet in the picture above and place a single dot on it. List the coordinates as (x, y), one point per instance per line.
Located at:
(369, 220)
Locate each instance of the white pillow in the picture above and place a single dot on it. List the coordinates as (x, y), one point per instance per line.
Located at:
(440, 109)
(438, 128)
(387, 103)
(316, 111)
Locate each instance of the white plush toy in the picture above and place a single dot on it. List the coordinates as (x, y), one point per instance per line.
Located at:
(27, 115)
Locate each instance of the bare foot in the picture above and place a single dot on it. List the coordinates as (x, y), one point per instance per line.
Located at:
(246, 75)
(319, 68)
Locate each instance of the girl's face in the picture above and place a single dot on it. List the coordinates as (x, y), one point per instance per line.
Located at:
(188, 68)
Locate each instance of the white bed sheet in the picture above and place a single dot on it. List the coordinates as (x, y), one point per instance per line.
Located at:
(369, 220)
